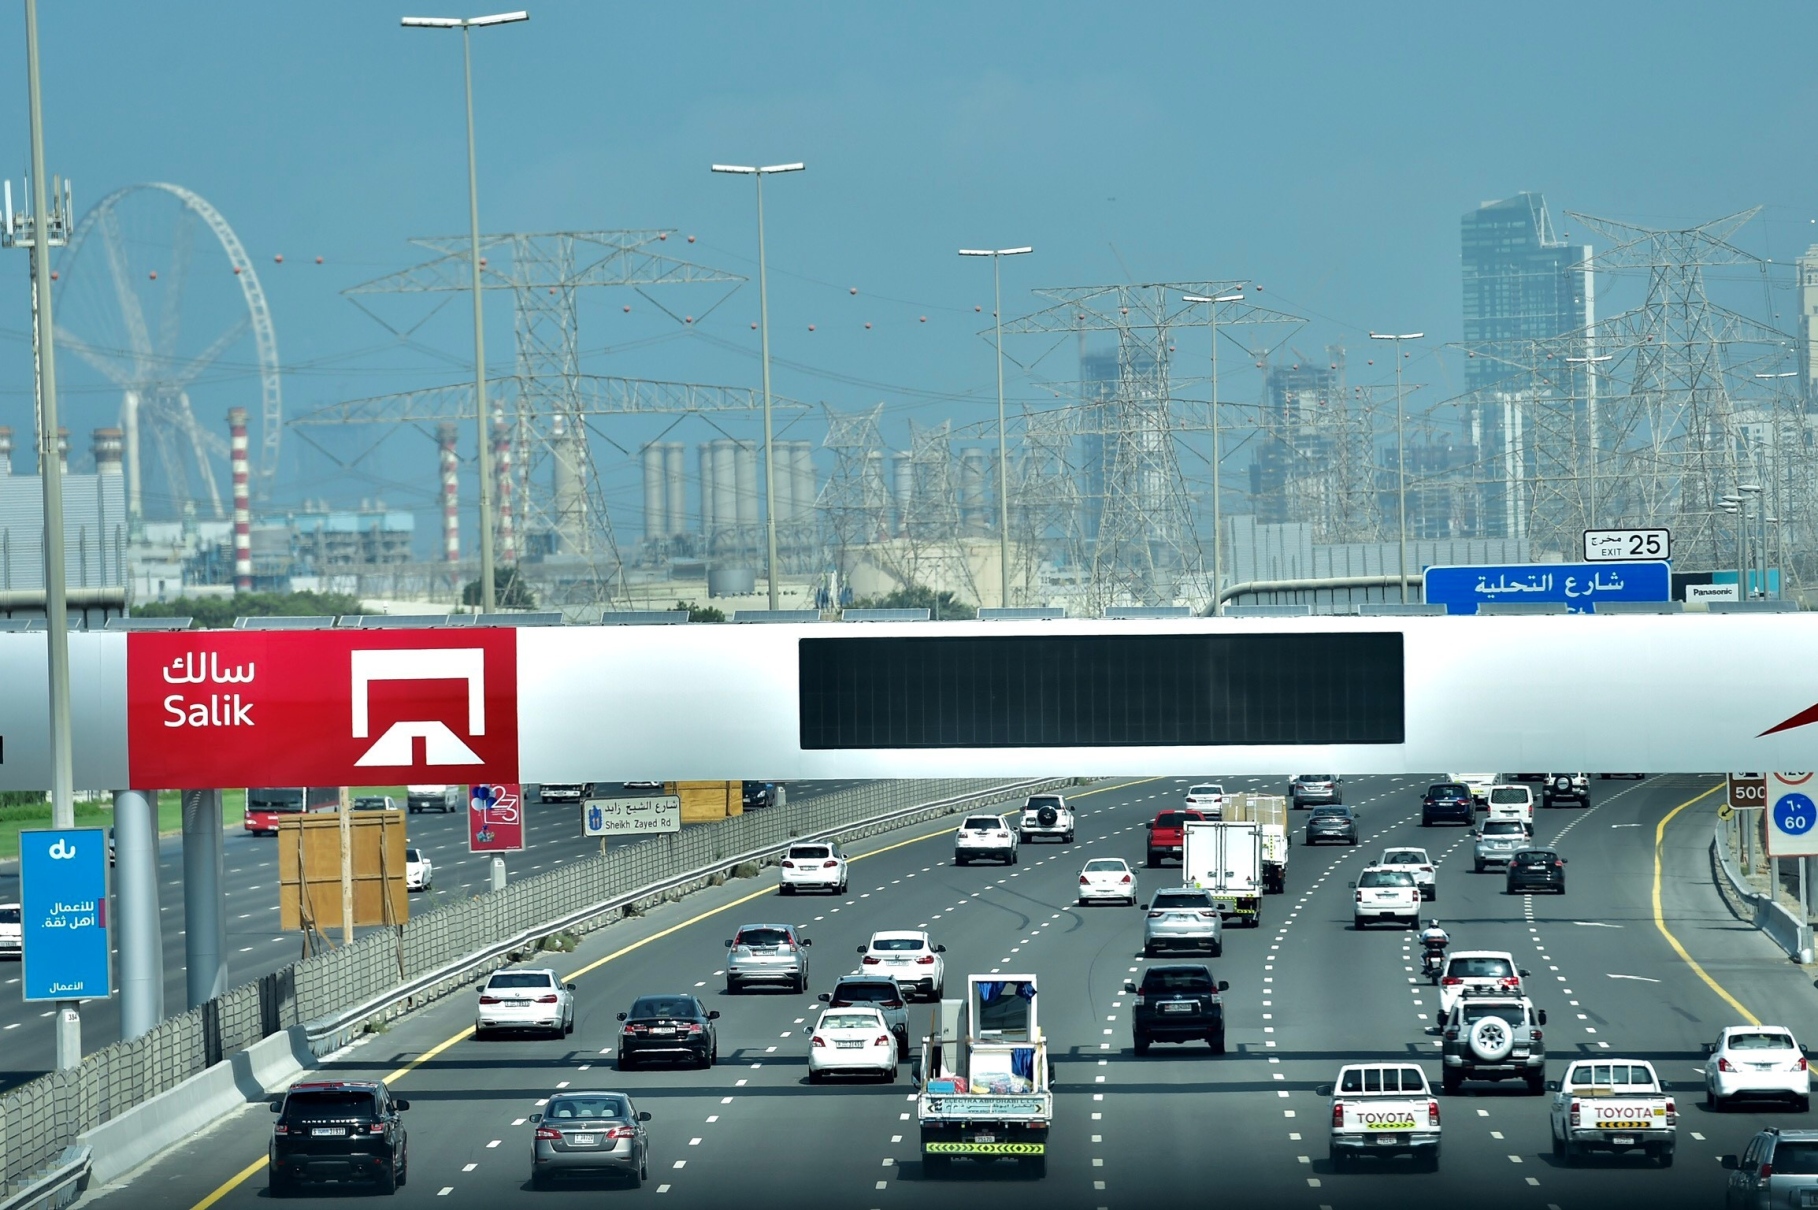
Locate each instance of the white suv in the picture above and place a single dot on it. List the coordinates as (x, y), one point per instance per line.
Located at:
(816, 866)
(1046, 816)
(909, 958)
(1415, 864)
(12, 931)
(1487, 971)
(984, 837)
(1385, 895)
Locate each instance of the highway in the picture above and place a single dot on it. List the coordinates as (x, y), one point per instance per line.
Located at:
(1307, 994)
(256, 947)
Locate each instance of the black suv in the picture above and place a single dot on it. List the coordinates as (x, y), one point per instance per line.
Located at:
(1178, 1004)
(1536, 870)
(340, 1132)
(1447, 801)
(669, 1025)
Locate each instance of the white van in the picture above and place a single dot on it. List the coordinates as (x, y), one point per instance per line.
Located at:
(1512, 802)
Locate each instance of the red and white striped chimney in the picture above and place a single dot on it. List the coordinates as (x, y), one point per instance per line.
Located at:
(508, 538)
(446, 433)
(243, 569)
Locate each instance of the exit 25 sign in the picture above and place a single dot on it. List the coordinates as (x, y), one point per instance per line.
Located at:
(1627, 545)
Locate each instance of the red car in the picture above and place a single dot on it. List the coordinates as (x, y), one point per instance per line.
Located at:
(1165, 834)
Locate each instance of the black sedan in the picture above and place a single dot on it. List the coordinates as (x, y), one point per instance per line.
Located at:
(1536, 870)
(1447, 802)
(668, 1026)
(1178, 1004)
(1332, 824)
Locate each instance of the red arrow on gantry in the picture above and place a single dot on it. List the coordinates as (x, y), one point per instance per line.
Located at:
(1803, 718)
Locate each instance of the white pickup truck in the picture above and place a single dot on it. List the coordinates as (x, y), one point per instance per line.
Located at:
(1613, 1105)
(1383, 1109)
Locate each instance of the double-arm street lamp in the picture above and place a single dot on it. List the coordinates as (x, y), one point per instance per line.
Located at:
(1003, 454)
(1401, 460)
(1218, 550)
(757, 175)
(488, 600)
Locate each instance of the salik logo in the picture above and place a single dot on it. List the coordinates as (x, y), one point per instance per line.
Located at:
(322, 708)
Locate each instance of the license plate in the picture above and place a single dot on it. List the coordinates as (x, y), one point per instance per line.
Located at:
(327, 1132)
(984, 1138)
(1388, 1140)
(1764, 1066)
(584, 1140)
(848, 1045)
(1808, 1197)
(1621, 1140)
(662, 1033)
(1178, 1008)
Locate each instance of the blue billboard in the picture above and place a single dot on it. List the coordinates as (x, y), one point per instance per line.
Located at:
(63, 913)
(1579, 586)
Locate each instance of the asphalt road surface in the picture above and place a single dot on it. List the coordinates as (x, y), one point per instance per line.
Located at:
(1179, 1126)
(256, 947)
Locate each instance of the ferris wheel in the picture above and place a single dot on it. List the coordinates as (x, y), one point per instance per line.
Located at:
(156, 294)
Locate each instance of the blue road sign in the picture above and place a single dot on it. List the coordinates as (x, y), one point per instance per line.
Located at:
(1579, 586)
(63, 911)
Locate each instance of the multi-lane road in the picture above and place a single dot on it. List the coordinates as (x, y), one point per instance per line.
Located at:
(256, 946)
(1247, 1128)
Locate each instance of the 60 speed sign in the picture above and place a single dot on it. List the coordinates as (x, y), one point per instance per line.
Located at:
(1792, 815)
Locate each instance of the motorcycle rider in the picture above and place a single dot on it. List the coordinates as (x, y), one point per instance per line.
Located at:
(1433, 942)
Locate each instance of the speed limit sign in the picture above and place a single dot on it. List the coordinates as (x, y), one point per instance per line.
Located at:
(1792, 815)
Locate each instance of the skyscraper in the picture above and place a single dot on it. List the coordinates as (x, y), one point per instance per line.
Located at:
(1528, 304)
(1808, 325)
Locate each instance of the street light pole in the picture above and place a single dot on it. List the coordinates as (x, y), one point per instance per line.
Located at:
(488, 596)
(1218, 539)
(758, 174)
(1003, 442)
(1401, 460)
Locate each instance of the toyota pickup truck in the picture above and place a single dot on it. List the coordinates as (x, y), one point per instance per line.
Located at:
(1614, 1105)
(1384, 1109)
(1166, 838)
(985, 1084)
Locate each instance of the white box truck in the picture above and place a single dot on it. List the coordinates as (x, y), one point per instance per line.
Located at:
(1226, 858)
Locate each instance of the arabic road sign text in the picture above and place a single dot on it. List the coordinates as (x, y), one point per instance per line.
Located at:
(495, 819)
(63, 913)
(1578, 585)
(632, 816)
(1792, 815)
(1627, 545)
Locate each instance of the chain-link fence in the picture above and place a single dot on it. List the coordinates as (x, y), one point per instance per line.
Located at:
(39, 1119)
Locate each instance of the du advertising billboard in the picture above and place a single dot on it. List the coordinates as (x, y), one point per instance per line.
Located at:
(63, 913)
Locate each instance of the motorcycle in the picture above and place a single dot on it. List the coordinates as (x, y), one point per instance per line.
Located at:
(1432, 959)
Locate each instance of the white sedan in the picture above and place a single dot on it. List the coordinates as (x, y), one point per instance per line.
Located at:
(1208, 798)
(851, 1041)
(419, 871)
(524, 998)
(1415, 864)
(984, 837)
(909, 958)
(1107, 878)
(1757, 1062)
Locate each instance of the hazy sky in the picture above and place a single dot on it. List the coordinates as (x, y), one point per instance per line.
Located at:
(1325, 151)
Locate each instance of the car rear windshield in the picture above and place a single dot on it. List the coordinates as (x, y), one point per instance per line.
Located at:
(1746, 1041)
(1448, 789)
(662, 1006)
(327, 1106)
(1098, 865)
(866, 993)
(1040, 801)
(1479, 968)
(522, 979)
(1609, 1075)
(1504, 827)
(1536, 857)
(983, 823)
(412, 855)
(1182, 899)
(809, 852)
(1367, 1080)
(565, 1108)
(1795, 1159)
(1206, 789)
(9, 915)
(1404, 857)
(897, 945)
(868, 1020)
(1512, 1013)
(1177, 981)
(1377, 878)
(763, 936)
(1331, 813)
(1170, 819)
(1511, 794)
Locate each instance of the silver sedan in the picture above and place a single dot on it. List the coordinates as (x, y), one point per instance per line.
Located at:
(580, 1133)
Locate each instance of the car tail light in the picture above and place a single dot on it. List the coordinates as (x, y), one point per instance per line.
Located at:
(1451, 1035)
(1799, 1064)
(1559, 865)
(620, 1132)
(1767, 1170)
(1125, 878)
(829, 865)
(694, 1027)
(280, 1129)
(376, 1128)
(635, 1029)
(789, 865)
(546, 999)
(881, 1040)
(1672, 1112)
(1512, 981)
(1155, 915)
(925, 960)
(489, 999)
(1338, 1115)
(1433, 1114)
(1577, 1117)
(1450, 981)
(1725, 1065)
(1083, 880)
(870, 961)
(1538, 1036)
(548, 1132)
(1426, 869)
(1360, 896)
(817, 1040)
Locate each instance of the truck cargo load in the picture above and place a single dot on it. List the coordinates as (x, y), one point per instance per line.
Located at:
(1271, 811)
(984, 1078)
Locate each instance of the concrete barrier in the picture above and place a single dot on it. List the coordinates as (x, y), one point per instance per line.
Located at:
(147, 1130)
(1771, 916)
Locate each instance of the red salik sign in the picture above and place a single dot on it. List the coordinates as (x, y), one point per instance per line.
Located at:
(208, 709)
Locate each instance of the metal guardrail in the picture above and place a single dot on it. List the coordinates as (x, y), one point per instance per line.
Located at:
(390, 971)
(1770, 916)
(59, 1186)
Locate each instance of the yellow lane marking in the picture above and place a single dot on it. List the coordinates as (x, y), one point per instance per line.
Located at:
(1660, 916)
(245, 1174)
(231, 1183)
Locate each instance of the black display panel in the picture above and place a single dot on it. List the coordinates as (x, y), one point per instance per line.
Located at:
(1038, 691)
